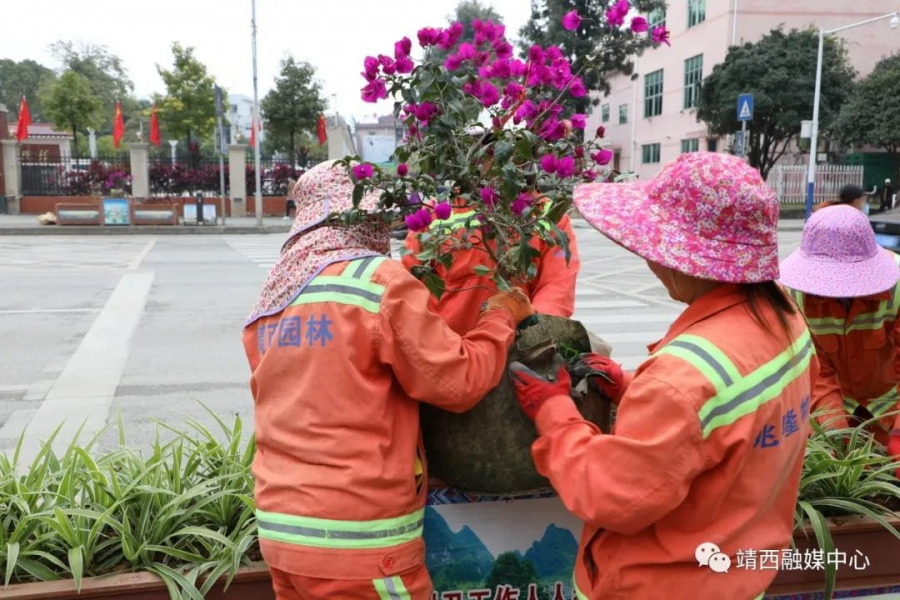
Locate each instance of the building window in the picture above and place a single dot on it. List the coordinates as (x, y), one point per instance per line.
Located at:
(693, 77)
(605, 109)
(623, 114)
(690, 145)
(712, 144)
(657, 18)
(696, 12)
(653, 94)
(650, 153)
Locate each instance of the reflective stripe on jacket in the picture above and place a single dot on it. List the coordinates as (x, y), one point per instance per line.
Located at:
(336, 380)
(708, 447)
(857, 349)
(552, 291)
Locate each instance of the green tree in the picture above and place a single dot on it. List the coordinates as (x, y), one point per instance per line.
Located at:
(592, 63)
(293, 106)
(70, 103)
(106, 74)
(779, 70)
(25, 78)
(871, 117)
(509, 569)
(189, 106)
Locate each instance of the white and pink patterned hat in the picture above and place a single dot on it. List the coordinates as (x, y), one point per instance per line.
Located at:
(839, 257)
(707, 215)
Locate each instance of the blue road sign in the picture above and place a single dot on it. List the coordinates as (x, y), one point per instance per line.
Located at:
(745, 107)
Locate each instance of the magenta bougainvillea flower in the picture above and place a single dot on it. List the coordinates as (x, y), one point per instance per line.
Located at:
(489, 196)
(660, 35)
(571, 21)
(402, 48)
(424, 217)
(579, 121)
(639, 25)
(428, 36)
(443, 211)
(363, 171)
(371, 66)
(565, 167)
(602, 157)
(521, 204)
(616, 15)
(405, 65)
(577, 88)
(402, 169)
(414, 223)
(601, 132)
(549, 163)
(376, 90)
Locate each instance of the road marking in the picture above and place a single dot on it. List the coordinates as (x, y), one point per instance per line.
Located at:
(84, 391)
(13, 388)
(34, 311)
(622, 318)
(606, 304)
(137, 260)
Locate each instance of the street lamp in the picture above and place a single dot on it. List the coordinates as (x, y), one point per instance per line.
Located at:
(173, 143)
(814, 141)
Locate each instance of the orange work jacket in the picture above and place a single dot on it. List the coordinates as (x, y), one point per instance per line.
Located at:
(707, 448)
(552, 292)
(337, 378)
(857, 349)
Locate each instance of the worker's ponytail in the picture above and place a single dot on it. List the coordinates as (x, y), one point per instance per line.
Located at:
(769, 292)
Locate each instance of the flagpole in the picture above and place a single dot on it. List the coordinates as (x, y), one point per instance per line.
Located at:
(259, 207)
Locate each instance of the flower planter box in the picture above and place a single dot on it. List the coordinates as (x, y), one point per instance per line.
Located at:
(849, 535)
(79, 214)
(160, 214)
(251, 583)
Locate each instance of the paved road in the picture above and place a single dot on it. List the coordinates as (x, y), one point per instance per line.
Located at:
(142, 327)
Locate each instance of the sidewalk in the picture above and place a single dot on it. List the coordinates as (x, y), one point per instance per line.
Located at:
(28, 225)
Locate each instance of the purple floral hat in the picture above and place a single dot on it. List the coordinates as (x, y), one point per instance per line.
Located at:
(839, 257)
(707, 215)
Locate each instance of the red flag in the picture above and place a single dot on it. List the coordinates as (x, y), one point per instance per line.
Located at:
(24, 121)
(118, 126)
(321, 130)
(154, 127)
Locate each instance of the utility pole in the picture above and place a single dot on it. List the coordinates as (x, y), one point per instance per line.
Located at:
(259, 206)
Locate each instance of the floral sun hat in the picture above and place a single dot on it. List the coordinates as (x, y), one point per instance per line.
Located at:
(839, 257)
(705, 214)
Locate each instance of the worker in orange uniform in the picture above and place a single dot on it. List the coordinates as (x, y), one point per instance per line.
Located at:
(847, 287)
(342, 349)
(709, 439)
(552, 291)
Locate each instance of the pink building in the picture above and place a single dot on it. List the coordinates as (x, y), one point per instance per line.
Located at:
(652, 119)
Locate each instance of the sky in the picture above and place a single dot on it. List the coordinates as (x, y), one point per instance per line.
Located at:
(334, 35)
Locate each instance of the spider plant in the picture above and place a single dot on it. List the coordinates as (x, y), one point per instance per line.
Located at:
(845, 472)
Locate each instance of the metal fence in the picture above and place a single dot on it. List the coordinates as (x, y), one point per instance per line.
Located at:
(74, 175)
(186, 177)
(790, 181)
(275, 174)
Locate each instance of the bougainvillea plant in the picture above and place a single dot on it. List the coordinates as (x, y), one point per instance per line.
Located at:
(490, 157)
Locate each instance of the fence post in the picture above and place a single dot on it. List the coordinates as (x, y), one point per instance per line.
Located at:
(140, 169)
(11, 171)
(237, 177)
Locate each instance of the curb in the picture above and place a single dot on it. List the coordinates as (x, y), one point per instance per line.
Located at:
(143, 230)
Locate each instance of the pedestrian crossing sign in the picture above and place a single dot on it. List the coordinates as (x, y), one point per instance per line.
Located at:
(745, 107)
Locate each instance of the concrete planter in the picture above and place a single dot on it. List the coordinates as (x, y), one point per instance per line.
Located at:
(849, 535)
(251, 583)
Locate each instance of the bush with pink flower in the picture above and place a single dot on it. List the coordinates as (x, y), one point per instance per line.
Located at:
(488, 144)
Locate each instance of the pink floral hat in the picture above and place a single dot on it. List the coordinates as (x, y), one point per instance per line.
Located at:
(839, 257)
(707, 215)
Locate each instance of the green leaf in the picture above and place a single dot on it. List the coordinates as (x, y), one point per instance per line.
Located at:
(37, 570)
(503, 152)
(435, 285)
(12, 555)
(358, 191)
(76, 565)
(482, 270)
(524, 149)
